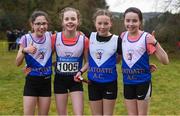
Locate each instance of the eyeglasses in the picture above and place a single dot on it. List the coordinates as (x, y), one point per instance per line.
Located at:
(39, 23)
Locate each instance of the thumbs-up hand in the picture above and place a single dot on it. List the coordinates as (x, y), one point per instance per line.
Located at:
(30, 49)
(153, 33)
(151, 39)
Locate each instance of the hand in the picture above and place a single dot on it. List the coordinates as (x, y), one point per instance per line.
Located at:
(77, 77)
(153, 68)
(81, 79)
(153, 33)
(26, 70)
(151, 39)
(30, 49)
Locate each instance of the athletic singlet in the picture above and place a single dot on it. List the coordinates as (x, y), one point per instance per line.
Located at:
(102, 59)
(69, 58)
(135, 60)
(40, 62)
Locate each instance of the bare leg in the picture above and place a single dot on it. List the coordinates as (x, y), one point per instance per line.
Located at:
(131, 106)
(61, 103)
(44, 105)
(96, 107)
(108, 106)
(77, 102)
(29, 104)
(142, 107)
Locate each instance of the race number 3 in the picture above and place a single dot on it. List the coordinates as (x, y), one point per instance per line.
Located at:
(67, 66)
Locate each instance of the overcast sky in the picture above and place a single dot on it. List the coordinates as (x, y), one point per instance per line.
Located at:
(143, 5)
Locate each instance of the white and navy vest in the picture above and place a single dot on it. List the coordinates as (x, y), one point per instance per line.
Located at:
(135, 61)
(102, 59)
(69, 58)
(41, 61)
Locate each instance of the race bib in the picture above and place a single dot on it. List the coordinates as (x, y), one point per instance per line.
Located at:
(67, 66)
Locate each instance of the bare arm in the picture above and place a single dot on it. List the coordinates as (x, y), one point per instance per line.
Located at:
(84, 68)
(161, 54)
(86, 50)
(20, 56)
(86, 65)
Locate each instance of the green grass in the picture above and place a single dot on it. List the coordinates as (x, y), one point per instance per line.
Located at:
(166, 92)
(165, 95)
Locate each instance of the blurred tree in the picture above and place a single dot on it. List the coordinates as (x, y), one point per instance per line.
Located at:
(166, 26)
(15, 13)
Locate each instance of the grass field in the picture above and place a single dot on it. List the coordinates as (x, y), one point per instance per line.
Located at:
(165, 96)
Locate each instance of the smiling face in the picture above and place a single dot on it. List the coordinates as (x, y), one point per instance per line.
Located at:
(70, 21)
(103, 24)
(132, 22)
(39, 25)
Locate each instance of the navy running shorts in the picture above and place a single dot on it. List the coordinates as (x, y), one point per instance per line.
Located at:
(39, 86)
(66, 84)
(138, 91)
(99, 91)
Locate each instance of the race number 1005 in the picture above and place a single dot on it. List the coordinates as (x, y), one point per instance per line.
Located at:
(67, 66)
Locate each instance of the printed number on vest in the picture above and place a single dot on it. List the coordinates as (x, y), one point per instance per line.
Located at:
(67, 66)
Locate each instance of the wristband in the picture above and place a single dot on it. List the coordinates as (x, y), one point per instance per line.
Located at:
(155, 43)
(81, 72)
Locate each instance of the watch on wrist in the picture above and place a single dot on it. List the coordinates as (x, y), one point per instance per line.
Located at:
(81, 72)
